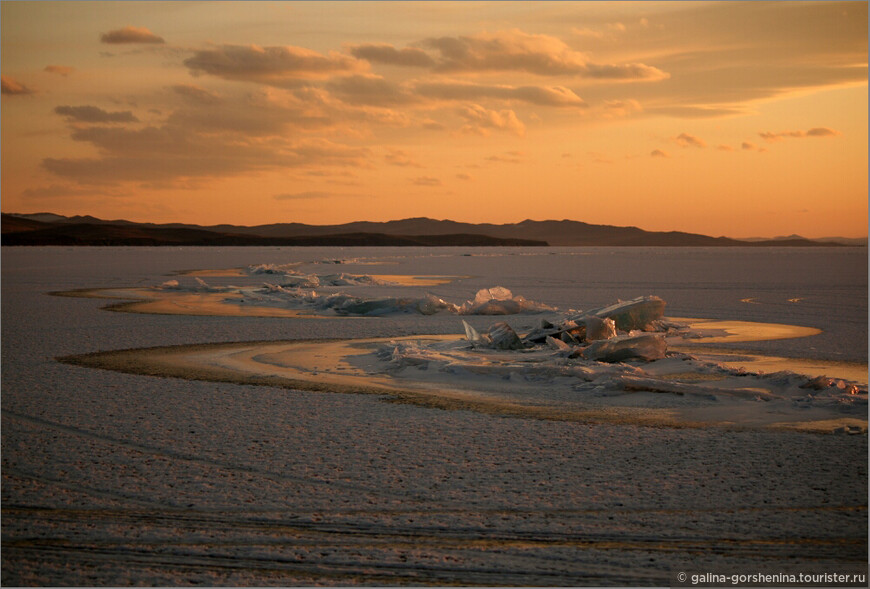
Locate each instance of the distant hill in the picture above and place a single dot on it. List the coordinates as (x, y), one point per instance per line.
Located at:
(853, 241)
(23, 231)
(51, 229)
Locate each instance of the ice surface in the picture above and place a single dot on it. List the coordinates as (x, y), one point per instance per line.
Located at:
(103, 485)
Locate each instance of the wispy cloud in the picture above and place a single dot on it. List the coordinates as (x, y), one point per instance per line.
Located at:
(659, 153)
(370, 90)
(61, 70)
(173, 153)
(94, 114)
(544, 96)
(814, 132)
(397, 157)
(284, 66)
(621, 108)
(503, 51)
(426, 181)
(13, 87)
(542, 55)
(389, 55)
(508, 157)
(195, 94)
(481, 120)
(686, 140)
(129, 35)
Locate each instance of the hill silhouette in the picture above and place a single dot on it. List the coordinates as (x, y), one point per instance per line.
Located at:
(52, 229)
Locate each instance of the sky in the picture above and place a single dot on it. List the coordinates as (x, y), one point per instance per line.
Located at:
(738, 119)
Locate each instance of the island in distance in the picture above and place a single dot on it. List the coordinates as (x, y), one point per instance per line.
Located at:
(52, 229)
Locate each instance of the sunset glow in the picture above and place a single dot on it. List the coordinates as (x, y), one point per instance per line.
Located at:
(737, 119)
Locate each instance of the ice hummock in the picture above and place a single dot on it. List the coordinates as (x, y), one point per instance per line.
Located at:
(633, 369)
(501, 301)
(297, 291)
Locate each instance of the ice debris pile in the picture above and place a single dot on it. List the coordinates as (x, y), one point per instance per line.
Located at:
(617, 356)
(489, 301)
(594, 335)
(296, 292)
(292, 278)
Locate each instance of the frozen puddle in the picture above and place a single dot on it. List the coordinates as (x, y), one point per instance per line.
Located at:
(557, 372)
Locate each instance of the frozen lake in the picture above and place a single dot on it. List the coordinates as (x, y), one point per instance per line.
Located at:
(111, 478)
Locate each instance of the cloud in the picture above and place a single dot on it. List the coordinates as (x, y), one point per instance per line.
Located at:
(397, 157)
(480, 120)
(389, 55)
(61, 70)
(722, 56)
(621, 108)
(814, 132)
(171, 153)
(276, 66)
(195, 94)
(370, 90)
(696, 112)
(508, 157)
(724, 148)
(93, 114)
(130, 35)
(821, 132)
(426, 181)
(748, 145)
(12, 87)
(541, 55)
(270, 112)
(686, 140)
(553, 96)
(628, 71)
(464, 176)
(251, 115)
(659, 153)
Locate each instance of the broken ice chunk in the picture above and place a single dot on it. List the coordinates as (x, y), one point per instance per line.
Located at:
(637, 313)
(500, 336)
(503, 337)
(598, 328)
(471, 334)
(646, 347)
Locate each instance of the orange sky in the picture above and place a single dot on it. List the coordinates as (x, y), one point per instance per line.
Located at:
(738, 119)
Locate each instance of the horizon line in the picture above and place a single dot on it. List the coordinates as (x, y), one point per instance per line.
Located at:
(748, 238)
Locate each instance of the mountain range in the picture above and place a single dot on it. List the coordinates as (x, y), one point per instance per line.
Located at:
(53, 229)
